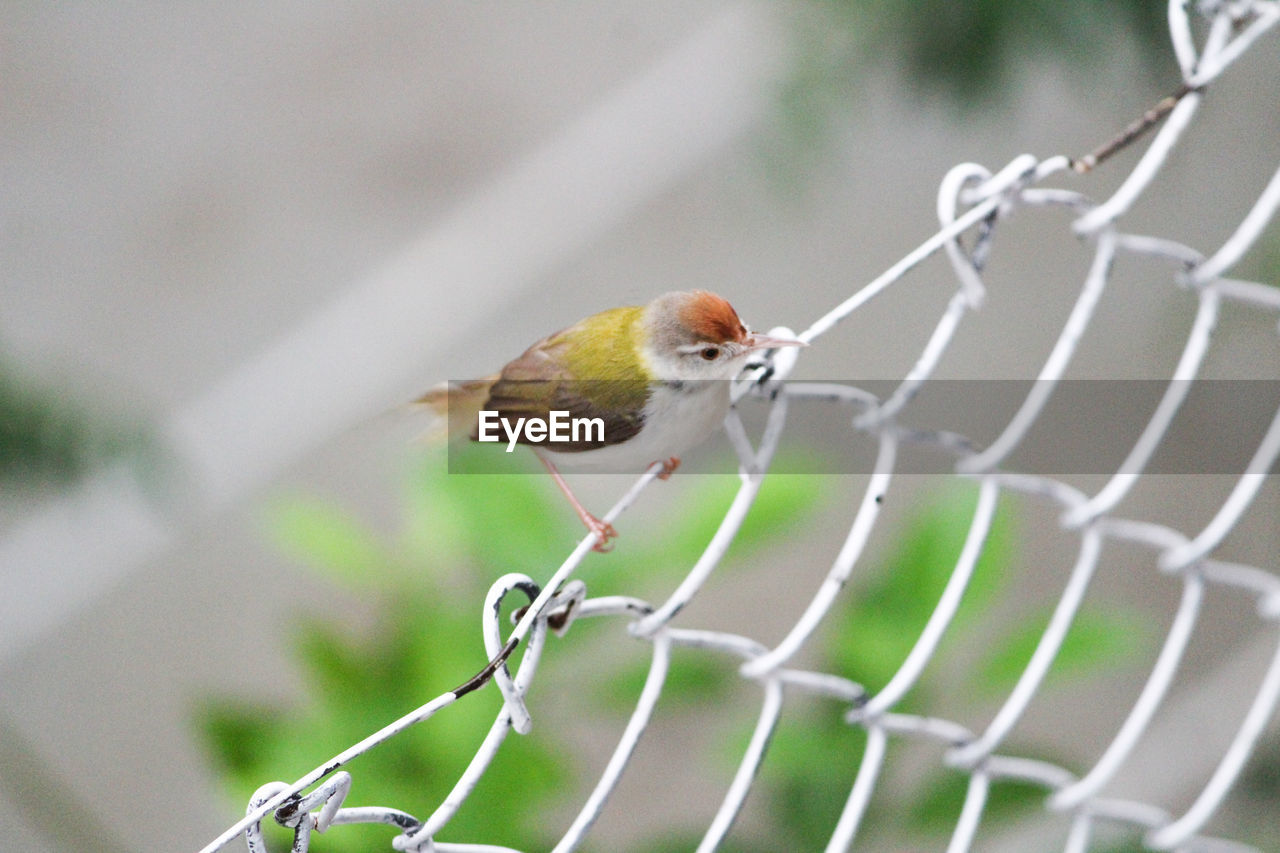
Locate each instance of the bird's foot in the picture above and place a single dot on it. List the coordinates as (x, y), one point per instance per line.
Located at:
(603, 530)
(669, 467)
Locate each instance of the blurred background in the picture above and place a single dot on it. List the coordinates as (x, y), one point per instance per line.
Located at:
(236, 239)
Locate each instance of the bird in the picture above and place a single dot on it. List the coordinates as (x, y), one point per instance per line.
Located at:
(645, 382)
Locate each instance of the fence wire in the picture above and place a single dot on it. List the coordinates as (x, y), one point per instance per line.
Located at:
(972, 201)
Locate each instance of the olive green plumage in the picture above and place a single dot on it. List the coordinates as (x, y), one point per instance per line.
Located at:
(588, 370)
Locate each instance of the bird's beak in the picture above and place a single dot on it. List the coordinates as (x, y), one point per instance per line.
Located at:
(758, 342)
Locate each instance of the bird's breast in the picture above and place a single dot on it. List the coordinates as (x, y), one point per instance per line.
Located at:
(677, 416)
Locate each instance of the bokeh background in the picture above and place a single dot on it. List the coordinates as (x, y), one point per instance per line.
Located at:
(235, 239)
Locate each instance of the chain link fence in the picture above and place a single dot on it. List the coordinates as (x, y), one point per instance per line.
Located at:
(973, 202)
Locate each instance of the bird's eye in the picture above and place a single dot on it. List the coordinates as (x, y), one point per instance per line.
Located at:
(710, 353)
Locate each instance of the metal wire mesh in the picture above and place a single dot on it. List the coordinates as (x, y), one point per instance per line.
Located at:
(971, 201)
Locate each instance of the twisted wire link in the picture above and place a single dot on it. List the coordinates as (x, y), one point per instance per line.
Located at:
(970, 197)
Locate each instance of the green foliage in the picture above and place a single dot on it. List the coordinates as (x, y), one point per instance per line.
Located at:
(967, 51)
(423, 587)
(784, 501)
(691, 679)
(1095, 636)
(421, 639)
(867, 639)
(935, 809)
(812, 763)
(313, 530)
(358, 681)
(892, 602)
(958, 54)
(47, 438)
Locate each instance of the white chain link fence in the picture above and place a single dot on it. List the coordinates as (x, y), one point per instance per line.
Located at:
(971, 201)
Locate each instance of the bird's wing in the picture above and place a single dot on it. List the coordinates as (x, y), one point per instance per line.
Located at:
(537, 383)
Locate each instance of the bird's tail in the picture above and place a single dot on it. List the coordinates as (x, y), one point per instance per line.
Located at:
(455, 407)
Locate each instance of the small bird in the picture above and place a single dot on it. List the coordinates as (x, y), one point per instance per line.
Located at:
(650, 379)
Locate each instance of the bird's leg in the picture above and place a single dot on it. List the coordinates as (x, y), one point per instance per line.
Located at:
(602, 529)
(669, 467)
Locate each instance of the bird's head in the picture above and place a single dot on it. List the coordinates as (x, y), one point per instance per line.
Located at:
(697, 335)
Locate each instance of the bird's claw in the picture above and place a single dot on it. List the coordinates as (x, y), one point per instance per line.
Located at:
(669, 467)
(603, 531)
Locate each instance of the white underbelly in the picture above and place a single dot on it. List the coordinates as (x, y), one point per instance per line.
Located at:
(675, 421)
